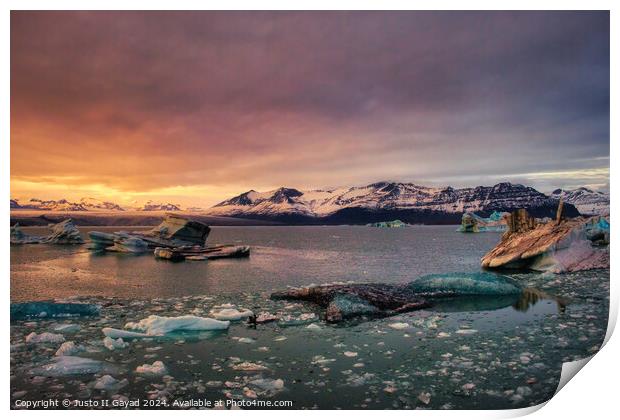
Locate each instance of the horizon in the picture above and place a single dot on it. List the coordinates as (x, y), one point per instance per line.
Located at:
(129, 205)
(194, 108)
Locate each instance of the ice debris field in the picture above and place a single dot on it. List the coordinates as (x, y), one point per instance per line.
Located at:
(487, 352)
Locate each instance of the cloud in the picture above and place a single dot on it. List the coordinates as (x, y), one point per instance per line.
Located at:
(143, 101)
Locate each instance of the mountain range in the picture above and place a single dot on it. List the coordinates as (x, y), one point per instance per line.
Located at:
(380, 201)
(88, 204)
(585, 200)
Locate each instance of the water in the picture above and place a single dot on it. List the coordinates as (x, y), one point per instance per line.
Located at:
(466, 353)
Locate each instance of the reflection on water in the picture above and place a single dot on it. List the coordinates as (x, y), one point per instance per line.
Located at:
(531, 300)
(531, 297)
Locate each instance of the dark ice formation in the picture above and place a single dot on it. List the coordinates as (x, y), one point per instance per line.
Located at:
(343, 301)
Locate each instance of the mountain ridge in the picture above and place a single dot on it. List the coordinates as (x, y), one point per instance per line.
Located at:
(386, 200)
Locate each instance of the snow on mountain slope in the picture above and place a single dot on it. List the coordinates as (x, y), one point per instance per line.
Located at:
(152, 206)
(85, 204)
(382, 197)
(586, 200)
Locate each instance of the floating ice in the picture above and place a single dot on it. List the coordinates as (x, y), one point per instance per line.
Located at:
(265, 317)
(267, 387)
(249, 366)
(114, 333)
(73, 365)
(464, 284)
(350, 353)
(69, 348)
(231, 314)
(109, 383)
(472, 223)
(160, 325)
(156, 369)
(112, 344)
(47, 309)
(303, 319)
(399, 325)
(34, 338)
(67, 328)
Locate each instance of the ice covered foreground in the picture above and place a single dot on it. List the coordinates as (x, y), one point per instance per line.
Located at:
(161, 325)
(28, 310)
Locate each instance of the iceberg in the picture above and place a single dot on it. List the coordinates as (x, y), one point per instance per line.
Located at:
(562, 245)
(160, 325)
(18, 237)
(344, 301)
(472, 223)
(47, 309)
(129, 244)
(464, 284)
(174, 231)
(391, 224)
(73, 365)
(63, 233)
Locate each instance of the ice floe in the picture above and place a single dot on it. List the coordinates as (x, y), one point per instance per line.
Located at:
(157, 368)
(73, 365)
(156, 325)
(231, 314)
(45, 337)
(69, 348)
(112, 344)
(109, 383)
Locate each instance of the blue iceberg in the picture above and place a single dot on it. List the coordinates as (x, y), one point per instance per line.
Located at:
(464, 284)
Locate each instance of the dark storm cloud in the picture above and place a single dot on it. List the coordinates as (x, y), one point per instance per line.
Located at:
(183, 98)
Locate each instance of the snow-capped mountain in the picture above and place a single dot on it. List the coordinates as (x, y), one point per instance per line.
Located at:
(152, 206)
(95, 204)
(385, 201)
(586, 200)
(85, 204)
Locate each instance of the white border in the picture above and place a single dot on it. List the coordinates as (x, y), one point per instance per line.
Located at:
(594, 394)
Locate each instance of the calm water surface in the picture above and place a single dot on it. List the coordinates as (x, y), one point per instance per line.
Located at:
(464, 353)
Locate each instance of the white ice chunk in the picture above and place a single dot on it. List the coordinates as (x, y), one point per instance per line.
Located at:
(67, 328)
(112, 344)
(156, 369)
(69, 348)
(110, 384)
(160, 325)
(231, 314)
(34, 338)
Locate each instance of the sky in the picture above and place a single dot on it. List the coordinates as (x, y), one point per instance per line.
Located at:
(196, 107)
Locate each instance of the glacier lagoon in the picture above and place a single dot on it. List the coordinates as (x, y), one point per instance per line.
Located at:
(496, 352)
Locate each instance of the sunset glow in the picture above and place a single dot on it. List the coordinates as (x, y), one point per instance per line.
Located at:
(193, 107)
